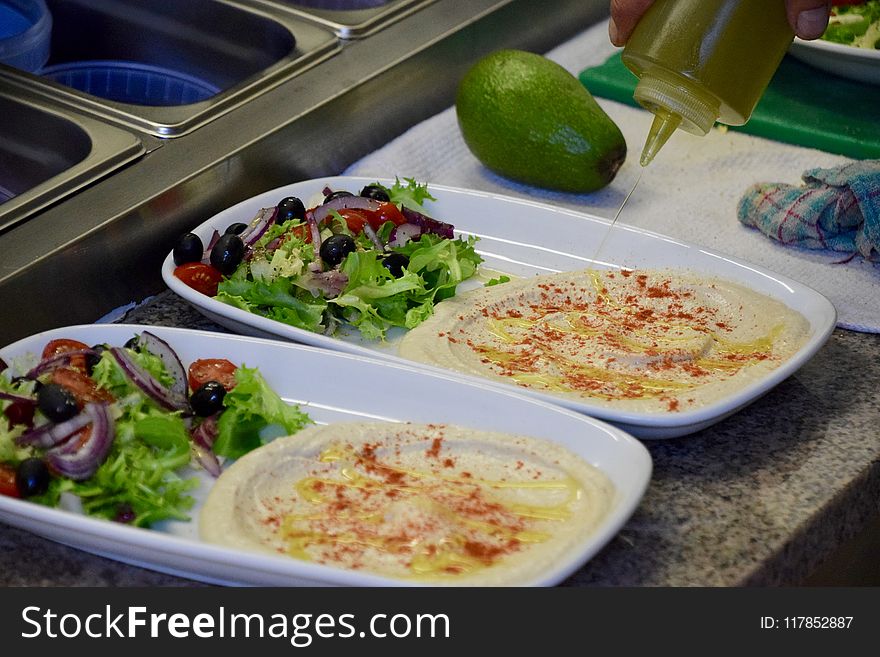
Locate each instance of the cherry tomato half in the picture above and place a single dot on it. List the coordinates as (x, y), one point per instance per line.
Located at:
(7, 481)
(211, 369)
(387, 212)
(354, 218)
(63, 346)
(199, 276)
(81, 386)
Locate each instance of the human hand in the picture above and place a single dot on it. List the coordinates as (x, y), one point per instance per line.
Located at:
(808, 18)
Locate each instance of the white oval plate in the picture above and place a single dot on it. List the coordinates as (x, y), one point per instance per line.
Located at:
(859, 64)
(331, 386)
(524, 238)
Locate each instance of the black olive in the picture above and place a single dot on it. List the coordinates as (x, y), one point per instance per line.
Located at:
(395, 263)
(375, 192)
(290, 207)
(95, 358)
(208, 399)
(189, 248)
(335, 248)
(124, 514)
(235, 229)
(132, 343)
(56, 402)
(339, 194)
(31, 477)
(227, 253)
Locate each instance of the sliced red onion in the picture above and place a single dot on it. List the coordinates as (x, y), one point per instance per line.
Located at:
(8, 396)
(428, 224)
(206, 256)
(158, 347)
(369, 232)
(52, 434)
(341, 202)
(206, 433)
(148, 384)
(403, 234)
(258, 226)
(81, 461)
(316, 237)
(329, 283)
(59, 360)
(203, 437)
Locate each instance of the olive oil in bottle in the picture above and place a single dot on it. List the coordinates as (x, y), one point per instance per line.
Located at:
(702, 61)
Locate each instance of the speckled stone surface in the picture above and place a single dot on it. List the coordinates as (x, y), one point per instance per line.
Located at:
(759, 499)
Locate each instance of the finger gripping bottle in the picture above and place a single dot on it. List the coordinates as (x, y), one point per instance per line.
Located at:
(702, 61)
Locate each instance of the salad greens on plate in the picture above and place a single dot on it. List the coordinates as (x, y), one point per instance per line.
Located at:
(855, 24)
(114, 431)
(370, 261)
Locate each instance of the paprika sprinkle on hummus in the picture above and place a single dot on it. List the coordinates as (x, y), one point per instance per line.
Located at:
(656, 341)
(405, 501)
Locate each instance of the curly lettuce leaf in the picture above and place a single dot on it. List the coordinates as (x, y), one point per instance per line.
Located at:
(249, 409)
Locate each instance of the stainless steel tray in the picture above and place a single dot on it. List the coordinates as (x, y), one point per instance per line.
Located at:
(235, 49)
(48, 153)
(350, 19)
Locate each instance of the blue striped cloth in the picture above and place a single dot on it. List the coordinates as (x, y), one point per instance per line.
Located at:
(836, 209)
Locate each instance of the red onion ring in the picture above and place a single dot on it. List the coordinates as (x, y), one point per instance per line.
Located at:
(52, 434)
(158, 347)
(8, 396)
(56, 361)
(316, 238)
(403, 234)
(147, 383)
(80, 461)
(341, 202)
(258, 226)
(203, 437)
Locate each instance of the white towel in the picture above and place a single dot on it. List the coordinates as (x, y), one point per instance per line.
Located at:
(690, 191)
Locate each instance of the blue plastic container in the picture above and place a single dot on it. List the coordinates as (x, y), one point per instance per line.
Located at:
(131, 82)
(25, 34)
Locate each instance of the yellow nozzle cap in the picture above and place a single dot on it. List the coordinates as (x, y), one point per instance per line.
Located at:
(665, 123)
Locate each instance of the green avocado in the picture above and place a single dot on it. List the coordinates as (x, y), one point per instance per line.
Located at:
(528, 119)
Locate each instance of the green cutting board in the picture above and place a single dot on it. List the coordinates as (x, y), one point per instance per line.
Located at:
(802, 106)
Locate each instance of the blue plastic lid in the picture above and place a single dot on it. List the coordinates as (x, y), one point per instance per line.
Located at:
(131, 82)
(25, 33)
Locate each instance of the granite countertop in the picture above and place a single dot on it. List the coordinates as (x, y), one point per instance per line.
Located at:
(759, 499)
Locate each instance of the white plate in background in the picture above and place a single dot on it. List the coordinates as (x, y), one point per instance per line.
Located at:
(859, 64)
(331, 386)
(524, 238)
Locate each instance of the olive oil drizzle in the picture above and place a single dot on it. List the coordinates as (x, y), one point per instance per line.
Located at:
(704, 348)
(428, 558)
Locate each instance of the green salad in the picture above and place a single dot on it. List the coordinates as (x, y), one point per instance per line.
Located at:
(116, 431)
(855, 24)
(370, 260)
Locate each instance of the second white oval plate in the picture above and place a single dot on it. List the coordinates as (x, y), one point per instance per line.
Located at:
(525, 238)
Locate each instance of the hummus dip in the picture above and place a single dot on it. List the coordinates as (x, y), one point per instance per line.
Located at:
(644, 341)
(432, 503)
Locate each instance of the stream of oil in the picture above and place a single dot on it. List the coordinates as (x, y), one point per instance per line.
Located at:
(616, 217)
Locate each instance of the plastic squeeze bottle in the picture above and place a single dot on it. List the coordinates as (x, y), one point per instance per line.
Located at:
(702, 61)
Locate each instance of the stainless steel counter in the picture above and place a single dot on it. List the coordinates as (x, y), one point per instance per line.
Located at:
(307, 114)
